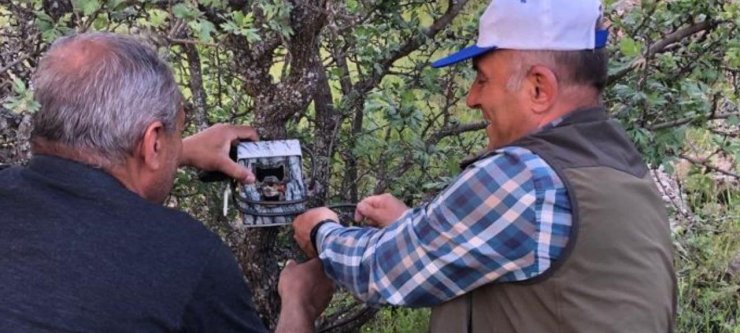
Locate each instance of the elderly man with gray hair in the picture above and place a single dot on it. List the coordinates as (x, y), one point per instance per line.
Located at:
(86, 244)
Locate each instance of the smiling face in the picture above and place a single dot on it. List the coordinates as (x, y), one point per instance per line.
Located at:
(505, 103)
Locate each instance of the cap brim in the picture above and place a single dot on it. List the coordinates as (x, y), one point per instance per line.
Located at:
(462, 55)
(602, 37)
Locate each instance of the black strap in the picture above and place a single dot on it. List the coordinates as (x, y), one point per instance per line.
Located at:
(315, 231)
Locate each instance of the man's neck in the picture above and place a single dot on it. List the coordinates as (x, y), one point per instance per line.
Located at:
(572, 100)
(124, 171)
(41, 146)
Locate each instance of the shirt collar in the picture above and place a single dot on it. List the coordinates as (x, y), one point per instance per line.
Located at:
(577, 115)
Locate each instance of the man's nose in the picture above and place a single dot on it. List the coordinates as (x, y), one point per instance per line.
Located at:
(472, 99)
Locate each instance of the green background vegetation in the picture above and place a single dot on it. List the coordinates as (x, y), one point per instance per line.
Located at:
(351, 79)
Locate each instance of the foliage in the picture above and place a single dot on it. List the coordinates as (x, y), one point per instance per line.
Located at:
(400, 320)
(351, 80)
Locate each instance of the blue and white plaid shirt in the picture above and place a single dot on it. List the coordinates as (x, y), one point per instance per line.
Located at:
(507, 217)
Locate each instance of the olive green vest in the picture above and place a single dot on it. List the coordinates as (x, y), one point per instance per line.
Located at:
(616, 273)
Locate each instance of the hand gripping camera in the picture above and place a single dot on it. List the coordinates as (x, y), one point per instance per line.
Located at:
(279, 192)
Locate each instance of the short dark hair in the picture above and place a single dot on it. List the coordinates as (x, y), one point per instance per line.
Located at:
(585, 68)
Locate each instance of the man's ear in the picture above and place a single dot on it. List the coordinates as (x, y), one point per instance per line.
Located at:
(151, 145)
(542, 88)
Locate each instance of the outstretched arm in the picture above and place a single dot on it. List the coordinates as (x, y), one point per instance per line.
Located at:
(505, 219)
(209, 150)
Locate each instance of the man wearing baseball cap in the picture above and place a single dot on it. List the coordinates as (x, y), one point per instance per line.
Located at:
(557, 227)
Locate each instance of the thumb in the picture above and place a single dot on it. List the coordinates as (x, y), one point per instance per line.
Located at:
(358, 211)
(290, 262)
(369, 211)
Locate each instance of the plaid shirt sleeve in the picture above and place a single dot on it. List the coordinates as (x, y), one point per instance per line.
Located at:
(505, 218)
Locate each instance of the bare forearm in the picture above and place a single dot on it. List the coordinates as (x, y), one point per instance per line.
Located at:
(305, 292)
(294, 318)
(186, 158)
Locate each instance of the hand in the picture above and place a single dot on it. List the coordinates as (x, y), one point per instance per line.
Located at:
(305, 292)
(303, 224)
(380, 210)
(209, 150)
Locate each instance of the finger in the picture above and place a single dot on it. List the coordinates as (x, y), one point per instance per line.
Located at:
(237, 171)
(365, 205)
(373, 200)
(244, 132)
(369, 211)
(361, 213)
(358, 215)
(290, 263)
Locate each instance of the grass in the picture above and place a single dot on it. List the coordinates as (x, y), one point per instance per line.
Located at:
(709, 291)
(399, 320)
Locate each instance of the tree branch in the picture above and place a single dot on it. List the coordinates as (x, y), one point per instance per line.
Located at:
(14, 62)
(189, 42)
(351, 323)
(706, 164)
(687, 120)
(661, 46)
(459, 129)
(199, 114)
(453, 9)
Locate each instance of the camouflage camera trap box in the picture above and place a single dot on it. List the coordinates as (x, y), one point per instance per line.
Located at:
(279, 192)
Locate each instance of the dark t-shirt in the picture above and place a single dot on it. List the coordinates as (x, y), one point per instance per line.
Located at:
(81, 253)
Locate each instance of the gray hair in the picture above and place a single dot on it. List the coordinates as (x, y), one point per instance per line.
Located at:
(587, 68)
(572, 68)
(103, 105)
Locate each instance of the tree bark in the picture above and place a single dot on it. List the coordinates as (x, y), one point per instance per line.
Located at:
(274, 104)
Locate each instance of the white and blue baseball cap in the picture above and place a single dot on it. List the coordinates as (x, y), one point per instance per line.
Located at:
(557, 25)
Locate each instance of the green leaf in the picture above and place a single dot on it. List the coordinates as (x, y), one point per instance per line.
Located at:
(158, 17)
(101, 21)
(212, 3)
(114, 4)
(733, 120)
(19, 87)
(251, 34)
(204, 29)
(87, 7)
(23, 100)
(629, 47)
(185, 12)
(41, 16)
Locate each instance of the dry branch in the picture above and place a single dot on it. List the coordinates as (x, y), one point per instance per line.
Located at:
(684, 121)
(459, 129)
(706, 164)
(662, 45)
